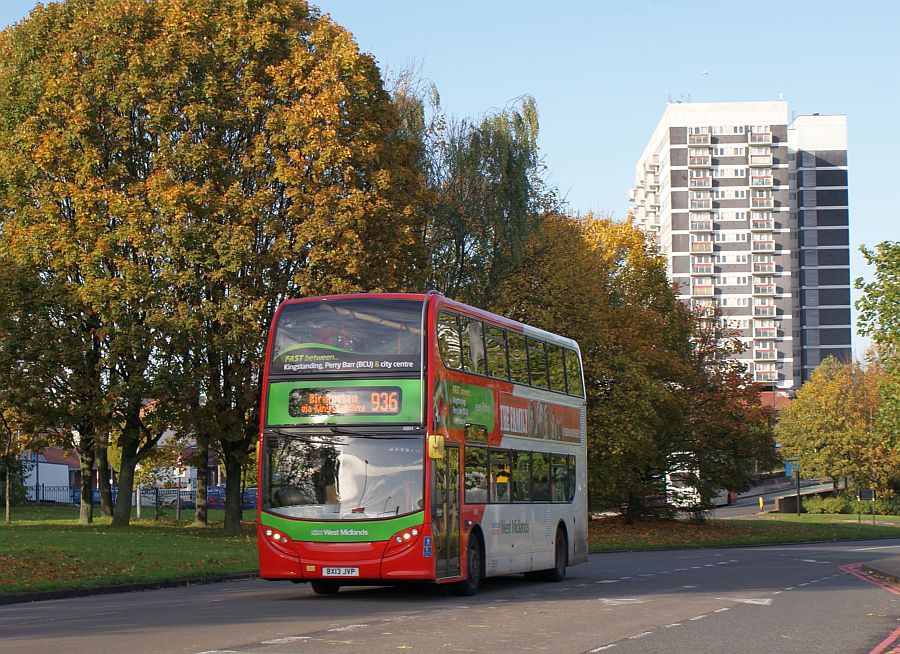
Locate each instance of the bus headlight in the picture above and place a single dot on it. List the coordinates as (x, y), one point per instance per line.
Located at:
(402, 540)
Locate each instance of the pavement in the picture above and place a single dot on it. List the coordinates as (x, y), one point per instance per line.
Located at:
(887, 568)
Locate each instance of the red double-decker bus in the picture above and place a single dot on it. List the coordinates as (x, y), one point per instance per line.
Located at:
(410, 437)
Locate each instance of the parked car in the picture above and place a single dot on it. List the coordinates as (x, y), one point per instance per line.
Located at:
(249, 498)
(215, 497)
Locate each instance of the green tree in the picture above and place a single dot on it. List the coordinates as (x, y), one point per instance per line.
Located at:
(879, 318)
(486, 191)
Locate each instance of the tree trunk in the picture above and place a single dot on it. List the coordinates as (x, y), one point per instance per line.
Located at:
(233, 502)
(633, 510)
(84, 448)
(201, 462)
(122, 508)
(106, 502)
(7, 486)
(7, 521)
(86, 461)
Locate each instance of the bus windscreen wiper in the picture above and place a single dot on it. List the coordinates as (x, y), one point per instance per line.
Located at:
(375, 437)
(305, 436)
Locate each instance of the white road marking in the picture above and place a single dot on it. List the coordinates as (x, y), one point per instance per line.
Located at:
(674, 624)
(607, 581)
(880, 547)
(620, 601)
(286, 639)
(721, 610)
(699, 617)
(605, 647)
(351, 627)
(640, 635)
(762, 601)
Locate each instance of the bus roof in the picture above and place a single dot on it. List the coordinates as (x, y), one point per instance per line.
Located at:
(455, 305)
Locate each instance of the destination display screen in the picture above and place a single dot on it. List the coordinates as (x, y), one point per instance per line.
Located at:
(345, 401)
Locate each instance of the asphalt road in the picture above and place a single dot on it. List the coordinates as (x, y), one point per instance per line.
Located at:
(767, 599)
(749, 505)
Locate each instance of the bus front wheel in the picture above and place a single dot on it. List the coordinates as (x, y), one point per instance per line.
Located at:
(325, 587)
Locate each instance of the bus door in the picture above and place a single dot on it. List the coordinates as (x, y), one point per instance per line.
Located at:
(445, 512)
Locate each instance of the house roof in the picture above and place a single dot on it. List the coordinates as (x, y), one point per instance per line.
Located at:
(61, 456)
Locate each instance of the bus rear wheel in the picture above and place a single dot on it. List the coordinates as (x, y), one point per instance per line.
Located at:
(560, 559)
(470, 585)
(325, 587)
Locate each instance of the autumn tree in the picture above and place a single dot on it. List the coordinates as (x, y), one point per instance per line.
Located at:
(600, 283)
(727, 433)
(180, 167)
(833, 426)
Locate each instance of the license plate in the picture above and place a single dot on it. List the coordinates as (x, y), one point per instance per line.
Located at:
(340, 572)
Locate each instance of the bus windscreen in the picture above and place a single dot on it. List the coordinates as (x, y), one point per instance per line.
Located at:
(348, 336)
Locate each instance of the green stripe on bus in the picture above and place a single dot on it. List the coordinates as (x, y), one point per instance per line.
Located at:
(347, 531)
(410, 409)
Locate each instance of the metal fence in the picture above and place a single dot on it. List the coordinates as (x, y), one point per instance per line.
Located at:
(150, 497)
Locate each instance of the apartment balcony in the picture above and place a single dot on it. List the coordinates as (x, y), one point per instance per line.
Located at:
(765, 355)
(764, 181)
(761, 160)
(763, 267)
(700, 204)
(767, 202)
(701, 247)
(702, 269)
(698, 139)
(764, 289)
(765, 332)
(759, 138)
(652, 182)
(764, 311)
(703, 290)
(699, 161)
(699, 182)
(762, 245)
(764, 225)
(765, 376)
(701, 226)
(651, 167)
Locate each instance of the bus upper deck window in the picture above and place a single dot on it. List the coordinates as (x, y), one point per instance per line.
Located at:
(448, 340)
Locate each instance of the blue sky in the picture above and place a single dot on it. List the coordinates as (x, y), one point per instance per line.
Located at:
(602, 72)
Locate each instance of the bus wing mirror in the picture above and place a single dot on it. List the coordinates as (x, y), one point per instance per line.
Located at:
(435, 446)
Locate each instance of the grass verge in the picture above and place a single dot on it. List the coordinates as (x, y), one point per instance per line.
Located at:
(613, 535)
(45, 549)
